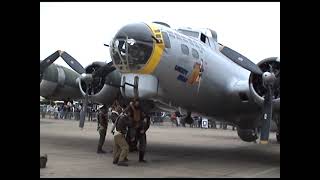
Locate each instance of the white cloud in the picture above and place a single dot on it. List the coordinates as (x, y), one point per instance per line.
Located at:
(81, 29)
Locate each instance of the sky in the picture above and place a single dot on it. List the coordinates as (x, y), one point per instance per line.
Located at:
(81, 28)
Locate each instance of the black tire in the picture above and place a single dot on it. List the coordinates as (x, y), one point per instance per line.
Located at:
(247, 135)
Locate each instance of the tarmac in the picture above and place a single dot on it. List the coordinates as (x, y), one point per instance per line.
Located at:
(171, 152)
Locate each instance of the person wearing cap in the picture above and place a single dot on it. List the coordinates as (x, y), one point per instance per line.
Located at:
(113, 114)
(120, 145)
(102, 127)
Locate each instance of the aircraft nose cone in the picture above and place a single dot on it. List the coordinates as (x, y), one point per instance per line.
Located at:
(132, 47)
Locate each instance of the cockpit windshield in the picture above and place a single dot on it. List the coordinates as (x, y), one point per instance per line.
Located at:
(130, 50)
(189, 33)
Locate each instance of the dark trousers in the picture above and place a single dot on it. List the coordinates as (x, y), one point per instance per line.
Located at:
(142, 139)
(102, 132)
(90, 117)
(129, 138)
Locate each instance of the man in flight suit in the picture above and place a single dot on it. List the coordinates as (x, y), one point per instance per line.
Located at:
(102, 127)
(120, 145)
(113, 114)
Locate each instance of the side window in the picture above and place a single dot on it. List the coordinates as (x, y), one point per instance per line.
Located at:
(195, 53)
(166, 40)
(184, 49)
(203, 38)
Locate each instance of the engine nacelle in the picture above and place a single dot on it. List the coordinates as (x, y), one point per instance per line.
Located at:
(142, 86)
(59, 83)
(99, 91)
(257, 90)
(247, 135)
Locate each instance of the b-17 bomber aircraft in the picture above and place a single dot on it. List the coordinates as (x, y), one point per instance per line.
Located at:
(170, 69)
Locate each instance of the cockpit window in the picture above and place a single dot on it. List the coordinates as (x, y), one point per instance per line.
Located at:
(203, 38)
(189, 33)
(166, 40)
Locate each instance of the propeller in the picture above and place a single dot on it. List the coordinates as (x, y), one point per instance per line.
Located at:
(89, 79)
(267, 115)
(103, 71)
(76, 66)
(270, 81)
(83, 111)
(241, 60)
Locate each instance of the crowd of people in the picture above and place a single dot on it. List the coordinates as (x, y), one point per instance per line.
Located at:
(178, 120)
(67, 110)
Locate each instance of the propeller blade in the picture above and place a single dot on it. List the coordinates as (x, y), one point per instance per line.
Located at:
(73, 63)
(84, 110)
(104, 70)
(267, 115)
(241, 60)
(48, 61)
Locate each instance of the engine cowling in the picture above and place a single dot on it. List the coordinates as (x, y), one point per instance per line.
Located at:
(257, 90)
(99, 91)
(58, 82)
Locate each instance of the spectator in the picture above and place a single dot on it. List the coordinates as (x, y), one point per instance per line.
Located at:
(174, 119)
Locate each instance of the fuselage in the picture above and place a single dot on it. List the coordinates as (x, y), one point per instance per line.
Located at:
(212, 93)
(178, 60)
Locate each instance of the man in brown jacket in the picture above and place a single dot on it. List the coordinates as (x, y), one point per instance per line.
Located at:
(120, 146)
(137, 116)
(102, 127)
